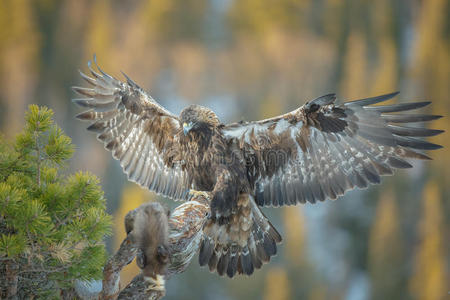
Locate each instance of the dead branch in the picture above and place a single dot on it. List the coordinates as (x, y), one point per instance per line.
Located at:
(115, 264)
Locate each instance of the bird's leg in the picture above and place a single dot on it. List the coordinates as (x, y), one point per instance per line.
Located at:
(222, 206)
(225, 194)
(156, 284)
(195, 194)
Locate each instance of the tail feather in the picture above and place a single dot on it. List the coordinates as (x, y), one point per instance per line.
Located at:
(222, 265)
(241, 245)
(245, 262)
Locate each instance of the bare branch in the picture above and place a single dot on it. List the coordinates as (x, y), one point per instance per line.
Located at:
(141, 288)
(111, 272)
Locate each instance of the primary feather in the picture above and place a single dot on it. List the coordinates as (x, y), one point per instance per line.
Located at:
(323, 149)
(139, 132)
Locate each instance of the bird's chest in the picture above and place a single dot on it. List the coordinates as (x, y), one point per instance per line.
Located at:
(201, 163)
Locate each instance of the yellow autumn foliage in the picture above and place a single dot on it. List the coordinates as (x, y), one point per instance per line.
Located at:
(386, 249)
(431, 28)
(295, 234)
(354, 81)
(431, 66)
(319, 292)
(19, 63)
(385, 73)
(100, 33)
(430, 280)
(277, 285)
(262, 16)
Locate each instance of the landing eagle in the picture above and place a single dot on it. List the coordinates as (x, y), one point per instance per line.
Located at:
(318, 151)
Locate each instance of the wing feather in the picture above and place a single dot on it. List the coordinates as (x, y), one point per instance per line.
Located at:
(139, 132)
(327, 149)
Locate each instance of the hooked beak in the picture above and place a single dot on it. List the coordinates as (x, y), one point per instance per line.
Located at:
(187, 127)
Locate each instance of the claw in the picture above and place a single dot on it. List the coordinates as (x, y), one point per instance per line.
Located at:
(157, 284)
(196, 194)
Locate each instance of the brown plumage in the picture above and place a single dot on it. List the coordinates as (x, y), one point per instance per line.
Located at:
(148, 225)
(316, 152)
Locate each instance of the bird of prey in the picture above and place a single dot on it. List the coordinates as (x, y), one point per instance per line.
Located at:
(318, 151)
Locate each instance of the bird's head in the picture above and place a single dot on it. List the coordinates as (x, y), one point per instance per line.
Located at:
(196, 118)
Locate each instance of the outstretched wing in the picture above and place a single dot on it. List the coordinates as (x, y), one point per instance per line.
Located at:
(139, 132)
(323, 149)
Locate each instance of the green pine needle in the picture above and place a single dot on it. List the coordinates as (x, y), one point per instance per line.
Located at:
(12, 245)
(52, 226)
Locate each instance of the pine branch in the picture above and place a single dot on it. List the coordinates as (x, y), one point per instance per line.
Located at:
(186, 229)
(51, 226)
(38, 161)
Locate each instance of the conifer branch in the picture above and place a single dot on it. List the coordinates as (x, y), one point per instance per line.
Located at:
(40, 257)
(38, 156)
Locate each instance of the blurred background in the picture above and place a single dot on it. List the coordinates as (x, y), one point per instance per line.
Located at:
(250, 60)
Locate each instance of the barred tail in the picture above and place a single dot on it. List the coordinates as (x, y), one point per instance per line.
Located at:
(241, 245)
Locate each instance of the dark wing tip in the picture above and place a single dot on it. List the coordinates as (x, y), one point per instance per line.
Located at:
(393, 94)
(398, 107)
(84, 116)
(373, 100)
(100, 69)
(414, 143)
(82, 102)
(88, 79)
(97, 127)
(76, 88)
(130, 81)
(322, 100)
(413, 131)
(409, 118)
(434, 132)
(424, 103)
(83, 91)
(398, 163)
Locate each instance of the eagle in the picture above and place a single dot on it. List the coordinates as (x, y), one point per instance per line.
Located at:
(316, 152)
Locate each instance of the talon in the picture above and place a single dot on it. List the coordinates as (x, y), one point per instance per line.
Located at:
(195, 193)
(157, 284)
